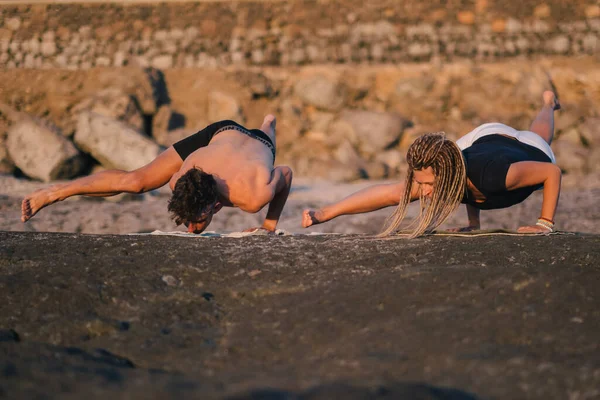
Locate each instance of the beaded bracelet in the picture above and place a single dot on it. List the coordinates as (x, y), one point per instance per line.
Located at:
(546, 219)
(544, 223)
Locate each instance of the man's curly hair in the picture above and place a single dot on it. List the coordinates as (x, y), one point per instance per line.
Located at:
(193, 193)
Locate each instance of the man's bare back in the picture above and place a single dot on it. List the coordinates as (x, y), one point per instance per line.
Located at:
(241, 165)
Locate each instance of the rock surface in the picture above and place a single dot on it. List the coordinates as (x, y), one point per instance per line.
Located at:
(299, 317)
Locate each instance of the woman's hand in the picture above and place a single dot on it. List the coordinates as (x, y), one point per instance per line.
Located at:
(534, 229)
(260, 228)
(464, 229)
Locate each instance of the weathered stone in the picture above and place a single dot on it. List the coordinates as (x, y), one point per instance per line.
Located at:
(592, 11)
(112, 103)
(48, 48)
(224, 106)
(34, 46)
(375, 131)
(499, 25)
(466, 17)
(5, 36)
(571, 157)
(176, 34)
(102, 61)
(42, 153)
(321, 91)
(590, 132)
(542, 11)
(113, 143)
(48, 36)
(347, 154)
(160, 123)
(164, 61)
(13, 23)
(560, 44)
(170, 137)
(119, 59)
(419, 50)
(298, 56)
(590, 43)
(29, 61)
(7, 166)
(320, 121)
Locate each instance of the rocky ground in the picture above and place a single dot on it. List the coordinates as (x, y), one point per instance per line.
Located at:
(299, 317)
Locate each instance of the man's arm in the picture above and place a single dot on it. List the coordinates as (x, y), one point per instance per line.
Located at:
(281, 184)
(531, 173)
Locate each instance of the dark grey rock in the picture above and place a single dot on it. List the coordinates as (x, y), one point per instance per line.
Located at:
(333, 316)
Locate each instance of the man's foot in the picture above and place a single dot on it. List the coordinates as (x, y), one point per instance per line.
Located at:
(311, 217)
(268, 125)
(34, 202)
(551, 100)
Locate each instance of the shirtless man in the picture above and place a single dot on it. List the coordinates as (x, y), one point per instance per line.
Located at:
(224, 164)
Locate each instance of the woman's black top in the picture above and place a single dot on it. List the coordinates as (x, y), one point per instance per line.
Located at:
(488, 160)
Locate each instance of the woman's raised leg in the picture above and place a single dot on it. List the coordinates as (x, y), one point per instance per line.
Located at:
(543, 124)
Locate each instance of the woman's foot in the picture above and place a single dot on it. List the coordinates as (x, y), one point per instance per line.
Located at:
(34, 202)
(311, 217)
(551, 100)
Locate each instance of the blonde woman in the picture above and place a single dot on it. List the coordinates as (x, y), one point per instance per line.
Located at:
(494, 166)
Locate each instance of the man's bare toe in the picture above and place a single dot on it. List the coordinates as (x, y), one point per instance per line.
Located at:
(34, 203)
(270, 120)
(25, 210)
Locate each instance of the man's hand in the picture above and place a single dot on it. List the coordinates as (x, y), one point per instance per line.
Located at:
(534, 229)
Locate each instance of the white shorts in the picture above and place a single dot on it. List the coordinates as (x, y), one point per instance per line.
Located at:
(495, 128)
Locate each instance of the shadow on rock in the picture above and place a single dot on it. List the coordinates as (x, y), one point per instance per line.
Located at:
(412, 391)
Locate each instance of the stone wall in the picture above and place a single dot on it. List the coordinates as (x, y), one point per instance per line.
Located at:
(292, 33)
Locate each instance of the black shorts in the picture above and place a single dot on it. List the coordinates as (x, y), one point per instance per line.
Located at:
(202, 138)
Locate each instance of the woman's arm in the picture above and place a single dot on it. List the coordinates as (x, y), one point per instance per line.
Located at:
(474, 222)
(531, 173)
(366, 200)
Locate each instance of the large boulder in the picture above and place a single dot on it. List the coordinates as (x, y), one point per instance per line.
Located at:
(7, 166)
(42, 153)
(112, 103)
(571, 157)
(224, 106)
(322, 92)
(113, 143)
(590, 132)
(374, 131)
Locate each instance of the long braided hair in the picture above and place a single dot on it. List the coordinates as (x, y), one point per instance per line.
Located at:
(445, 158)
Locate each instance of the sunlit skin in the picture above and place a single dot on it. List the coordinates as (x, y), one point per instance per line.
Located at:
(242, 167)
(521, 174)
(204, 219)
(425, 180)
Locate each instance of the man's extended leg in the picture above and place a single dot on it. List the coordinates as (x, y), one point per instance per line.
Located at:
(106, 183)
(543, 124)
(268, 127)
